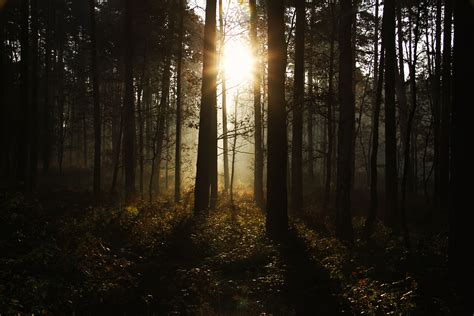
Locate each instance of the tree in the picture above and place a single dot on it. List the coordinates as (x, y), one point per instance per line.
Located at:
(346, 125)
(445, 108)
(224, 98)
(179, 74)
(33, 115)
(258, 171)
(378, 84)
(208, 104)
(461, 218)
(96, 100)
(298, 100)
(391, 176)
(23, 133)
(129, 108)
(330, 113)
(277, 214)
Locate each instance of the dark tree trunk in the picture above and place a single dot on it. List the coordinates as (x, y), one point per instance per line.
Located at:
(3, 104)
(33, 122)
(258, 171)
(177, 160)
(461, 218)
(129, 107)
(208, 105)
(23, 127)
(96, 100)
(346, 125)
(298, 100)
(445, 108)
(311, 105)
(330, 114)
(277, 214)
(391, 176)
(377, 100)
(406, 163)
(234, 148)
(437, 105)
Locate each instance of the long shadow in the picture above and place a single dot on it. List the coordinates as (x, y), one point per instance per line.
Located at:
(309, 289)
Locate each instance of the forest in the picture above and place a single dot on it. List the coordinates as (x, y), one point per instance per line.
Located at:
(236, 157)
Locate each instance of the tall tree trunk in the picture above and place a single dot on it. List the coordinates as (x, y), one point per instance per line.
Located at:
(437, 105)
(406, 163)
(298, 100)
(23, 126)
(224, 97)
(179, 71)
(33, 123)
(234, 148)
(445, 108)
(129, 107)
(346, 125)
(277, 214)
(378, 84)
(311, 105)
(96, 100)
(208, 105)
(258, 146)
(4, 158)
(400, 82)
(330, 114)
(461, 219)
(391, 176)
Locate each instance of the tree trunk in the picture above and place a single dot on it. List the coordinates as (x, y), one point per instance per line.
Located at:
(129, 107)
(391, 177)
(234, 148)
(461, 218)
(311, 105)
(208, 105)
(445, 108)
(298, 100)
(258, 170)
(277, 215)
(436, 106)
(96, 100)
(345, 151)
(23, 132)
(330, 114)
(33, 123)
(179, 70)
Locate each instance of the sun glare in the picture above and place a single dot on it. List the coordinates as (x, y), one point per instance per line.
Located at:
(238, 62)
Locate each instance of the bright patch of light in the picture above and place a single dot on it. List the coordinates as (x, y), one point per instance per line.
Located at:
(238, 62)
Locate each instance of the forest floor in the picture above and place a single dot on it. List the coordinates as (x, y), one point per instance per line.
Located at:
(62, 256)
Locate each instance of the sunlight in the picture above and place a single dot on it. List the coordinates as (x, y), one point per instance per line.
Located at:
(238, 62)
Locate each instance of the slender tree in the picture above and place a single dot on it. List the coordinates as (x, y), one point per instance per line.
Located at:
(277, 214)
(179, 71)
(346, 125)
(225, 140)
(298, 100)
(33, 116)
(391, 175)
(23, 132)
(445, 107)
(330, 112)
(96, 100)
(129, 107)
(258, 168)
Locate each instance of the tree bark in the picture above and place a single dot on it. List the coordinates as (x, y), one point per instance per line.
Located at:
(277, 215)
(298, 100)
(206, 115)
(445, 108)
(258, 168)
(345, 150)
(391, 176)
(179, 71)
